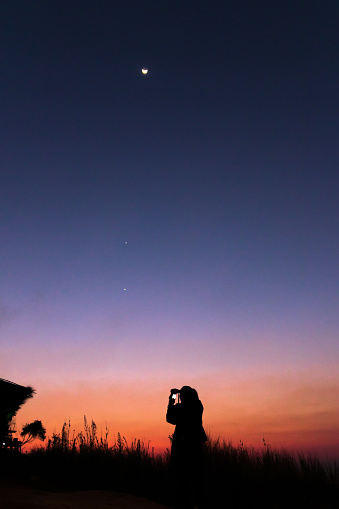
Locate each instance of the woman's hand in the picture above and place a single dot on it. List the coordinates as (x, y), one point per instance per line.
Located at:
(171, 399)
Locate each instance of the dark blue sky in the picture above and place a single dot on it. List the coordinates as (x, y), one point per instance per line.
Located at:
(219, 168)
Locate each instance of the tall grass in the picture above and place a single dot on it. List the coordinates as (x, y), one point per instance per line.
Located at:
(235, 477)
(84, 461)
(268, 478)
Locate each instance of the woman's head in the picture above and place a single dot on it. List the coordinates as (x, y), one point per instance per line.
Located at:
(188, 394)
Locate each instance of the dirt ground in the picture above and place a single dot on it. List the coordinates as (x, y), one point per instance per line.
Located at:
(26, 498)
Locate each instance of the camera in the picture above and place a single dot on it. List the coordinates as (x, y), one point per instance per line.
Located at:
(174, 393)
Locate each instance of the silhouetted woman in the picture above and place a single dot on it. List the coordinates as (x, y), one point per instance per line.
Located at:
(187, 444)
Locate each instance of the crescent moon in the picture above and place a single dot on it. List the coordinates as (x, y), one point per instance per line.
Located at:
(144, 71)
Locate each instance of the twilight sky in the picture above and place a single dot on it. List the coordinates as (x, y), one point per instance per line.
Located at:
(179, 227)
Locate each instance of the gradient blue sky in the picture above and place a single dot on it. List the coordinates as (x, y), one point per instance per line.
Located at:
(219, 168)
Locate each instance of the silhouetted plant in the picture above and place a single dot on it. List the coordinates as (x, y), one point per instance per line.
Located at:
(32, 431)
(235, 476)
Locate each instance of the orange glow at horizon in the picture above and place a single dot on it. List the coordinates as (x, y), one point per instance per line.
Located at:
(296, 413)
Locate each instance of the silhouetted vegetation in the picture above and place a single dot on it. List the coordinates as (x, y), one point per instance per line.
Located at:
(32, 431)
(268, 479)
(234, 477)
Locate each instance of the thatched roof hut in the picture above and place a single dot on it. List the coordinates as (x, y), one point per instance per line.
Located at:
(12, 397)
